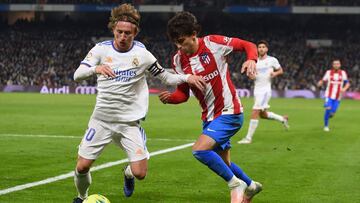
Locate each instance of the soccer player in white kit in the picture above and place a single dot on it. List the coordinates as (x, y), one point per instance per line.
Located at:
(122, 100)
(267, 67)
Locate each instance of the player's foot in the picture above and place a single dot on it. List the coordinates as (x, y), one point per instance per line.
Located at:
(129, 186)
(245, 141)
(237, 191)
(326, 129)
(250, 192)
(286, 122)
(77, 200)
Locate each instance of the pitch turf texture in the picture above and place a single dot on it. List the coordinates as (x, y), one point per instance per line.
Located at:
(304, 164)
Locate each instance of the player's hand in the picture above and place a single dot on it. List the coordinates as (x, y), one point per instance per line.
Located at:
(250, 67)
(273, 74)
(342, 91)
(197, 81)
(319, 84)
(164, 96)
(105, 70)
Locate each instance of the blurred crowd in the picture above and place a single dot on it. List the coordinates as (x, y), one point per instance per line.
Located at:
(189, 3)
(43, 54)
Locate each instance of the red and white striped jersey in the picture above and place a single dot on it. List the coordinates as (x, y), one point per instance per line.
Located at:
(220, 96)
(335, 81)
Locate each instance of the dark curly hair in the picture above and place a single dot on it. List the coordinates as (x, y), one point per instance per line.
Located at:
(263, 42)
(182, 24)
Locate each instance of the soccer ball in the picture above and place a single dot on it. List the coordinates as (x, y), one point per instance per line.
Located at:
(96, 199)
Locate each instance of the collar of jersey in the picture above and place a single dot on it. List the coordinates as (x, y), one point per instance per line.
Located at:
(112, 44)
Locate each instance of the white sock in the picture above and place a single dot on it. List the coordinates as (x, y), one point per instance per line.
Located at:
(128, 172)
(233, 182)
(274, 116)
(252, 127)
(82, 183)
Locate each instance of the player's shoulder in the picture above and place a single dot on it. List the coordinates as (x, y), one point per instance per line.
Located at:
(138, 44)
(218, 39)
(104, 43)
(271, 58)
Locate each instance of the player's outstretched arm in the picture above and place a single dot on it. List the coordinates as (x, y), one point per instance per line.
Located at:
(180, 95)
(176, 79)
(249, 66)
(83, 72)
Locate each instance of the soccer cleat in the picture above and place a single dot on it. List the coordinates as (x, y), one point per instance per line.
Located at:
(129, 186)
(245, 141)
(286, 122)
(77, 200)
(326, 129)
(251, 192)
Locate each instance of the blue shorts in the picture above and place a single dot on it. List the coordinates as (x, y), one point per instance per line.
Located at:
(332, 103)
(222, 128)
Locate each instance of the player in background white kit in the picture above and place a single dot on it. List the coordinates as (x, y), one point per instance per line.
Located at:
(267, 67)
(122, 100)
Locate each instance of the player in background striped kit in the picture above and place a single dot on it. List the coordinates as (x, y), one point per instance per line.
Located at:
(337, 84)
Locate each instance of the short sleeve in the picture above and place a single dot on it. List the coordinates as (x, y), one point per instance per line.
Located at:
(326, 76)
(344, 75)
(220, 43)
(93, 58)
(275, 64)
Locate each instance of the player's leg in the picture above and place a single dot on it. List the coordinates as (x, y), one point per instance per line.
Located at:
(253, 187)
(82, 178)
(334, 106)
(203, 151)
(132, 139)
(254, 121)
(238, 172)
(327, 114)
(216, 135)
(273, 116)
(91, 146)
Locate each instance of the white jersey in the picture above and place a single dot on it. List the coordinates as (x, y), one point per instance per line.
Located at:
(264, 68)
(125, 97)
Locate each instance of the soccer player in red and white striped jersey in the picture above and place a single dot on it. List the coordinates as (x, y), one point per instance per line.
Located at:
(337, 84)
(221, 107)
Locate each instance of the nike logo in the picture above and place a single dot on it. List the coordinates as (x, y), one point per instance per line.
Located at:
(211, 130)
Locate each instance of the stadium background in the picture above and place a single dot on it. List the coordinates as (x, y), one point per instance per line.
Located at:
(43, 41)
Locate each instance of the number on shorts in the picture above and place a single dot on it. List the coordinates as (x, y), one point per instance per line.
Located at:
(90, 134)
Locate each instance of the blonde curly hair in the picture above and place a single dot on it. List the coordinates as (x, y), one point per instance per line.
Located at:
(124, 12)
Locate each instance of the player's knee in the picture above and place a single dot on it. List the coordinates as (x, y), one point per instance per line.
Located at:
(82, 168)
(139, 174)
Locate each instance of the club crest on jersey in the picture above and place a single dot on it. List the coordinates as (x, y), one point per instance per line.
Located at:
(205, 58)
(108, 59)
(135, 62)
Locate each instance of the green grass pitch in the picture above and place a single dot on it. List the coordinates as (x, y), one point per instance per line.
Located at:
(304, 164)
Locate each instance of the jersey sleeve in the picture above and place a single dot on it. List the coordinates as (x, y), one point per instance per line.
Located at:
(275, 64)
(344, 76)
(93, 58)
(176, 64)
(180, 95)
(326, 76)
(228, 44)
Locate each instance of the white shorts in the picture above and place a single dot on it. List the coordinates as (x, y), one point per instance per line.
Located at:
(262, 100)
(128, 136)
